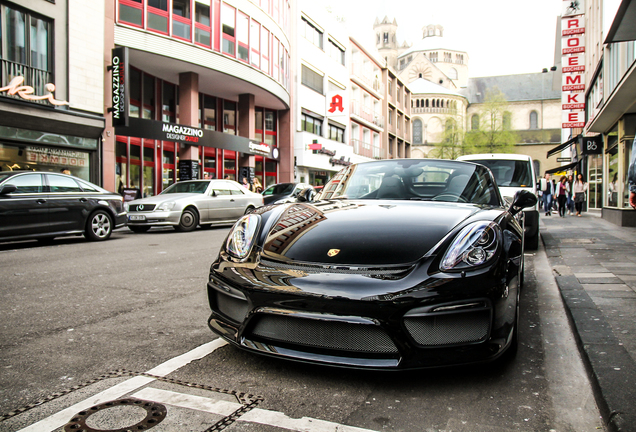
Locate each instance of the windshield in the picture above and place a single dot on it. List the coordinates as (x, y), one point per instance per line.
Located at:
(509, 173)
(4, 176)
(279, 189)
(197, 187)
(414, 179)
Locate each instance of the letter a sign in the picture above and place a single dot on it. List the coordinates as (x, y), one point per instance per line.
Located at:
(336, 104)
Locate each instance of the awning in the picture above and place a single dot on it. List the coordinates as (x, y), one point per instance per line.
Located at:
(563, 146)
(623, 28)
(562, 168)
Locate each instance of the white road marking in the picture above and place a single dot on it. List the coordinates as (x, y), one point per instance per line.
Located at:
(256, 415)
(60, 418)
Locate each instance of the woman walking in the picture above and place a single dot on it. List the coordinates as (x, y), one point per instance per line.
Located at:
(579, 189)
(562, 195)
(570, 203)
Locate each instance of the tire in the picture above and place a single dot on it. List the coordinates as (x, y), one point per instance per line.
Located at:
(139, 229)
(188, 221)
(532, 243)
(99, 226)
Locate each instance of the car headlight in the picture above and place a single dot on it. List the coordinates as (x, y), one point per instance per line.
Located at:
(167, 206)
(475, 245)
(239, 242)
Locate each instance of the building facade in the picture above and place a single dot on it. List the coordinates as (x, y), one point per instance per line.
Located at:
(51, 86)
(197, 89)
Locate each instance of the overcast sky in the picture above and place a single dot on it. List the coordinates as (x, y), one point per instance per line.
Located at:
(501, 37)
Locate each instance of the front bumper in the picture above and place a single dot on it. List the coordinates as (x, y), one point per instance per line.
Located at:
(154, 218)
(416, 321)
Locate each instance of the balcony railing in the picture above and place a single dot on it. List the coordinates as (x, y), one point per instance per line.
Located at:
(366, 113)
(366, 76)
(36, 78)
(367, 150)
(433, 110)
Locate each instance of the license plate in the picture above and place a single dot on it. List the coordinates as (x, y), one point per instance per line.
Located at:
(137, 217)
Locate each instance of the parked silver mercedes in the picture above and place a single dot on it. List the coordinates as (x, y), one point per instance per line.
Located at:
(187, 204)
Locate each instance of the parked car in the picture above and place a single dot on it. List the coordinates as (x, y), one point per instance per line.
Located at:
(283, 192)
(421, 267)
(45, 205)
(187, 204)
(514, 172)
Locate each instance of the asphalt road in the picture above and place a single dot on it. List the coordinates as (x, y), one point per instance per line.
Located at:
(73, 312)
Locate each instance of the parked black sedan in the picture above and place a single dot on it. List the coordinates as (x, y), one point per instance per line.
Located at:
(44, 205)
(397, 264)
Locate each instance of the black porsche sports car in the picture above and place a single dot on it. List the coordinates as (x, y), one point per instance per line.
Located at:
(396, 264)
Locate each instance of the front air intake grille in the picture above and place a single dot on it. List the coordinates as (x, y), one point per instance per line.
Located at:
(231, 307)
(332, 335)
(449, 329)
(339, 269)
(141, 207)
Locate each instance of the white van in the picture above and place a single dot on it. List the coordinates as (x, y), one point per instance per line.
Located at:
(514, 172)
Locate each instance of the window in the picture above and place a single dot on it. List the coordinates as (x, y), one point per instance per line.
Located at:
(534, 120)
(148, 111)
(311, 124)
(209, 112)
(255, 36)
(474, 122)
(270, 128)
(169, 104)
(228, 17)
(30, 183)
(417, 131)
(58, 183)
(433, 56)
(131, 12)
(312, 79)
(158, 15)
(134, 108)
(203, 28)
(229, 117)
(243, 36)
(25, 48)
(452, 73)
(507, 120)
(265, 50)
(386, 38)
(336, 53)
(275, 45)
(311, 33)
(336, 133)
(181, 19)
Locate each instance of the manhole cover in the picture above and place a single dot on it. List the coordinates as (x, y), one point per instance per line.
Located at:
(118, 416)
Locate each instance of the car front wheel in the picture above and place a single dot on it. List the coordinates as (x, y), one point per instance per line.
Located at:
(99, 226)
(188, 222)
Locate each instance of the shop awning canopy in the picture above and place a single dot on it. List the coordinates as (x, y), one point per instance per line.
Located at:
(563, 146)
(562, 168)
(623, 28)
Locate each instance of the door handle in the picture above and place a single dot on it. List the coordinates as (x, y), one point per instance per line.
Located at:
(41, 201)
(232, 200)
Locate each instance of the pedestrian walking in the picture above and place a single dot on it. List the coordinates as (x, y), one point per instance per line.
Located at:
(547, 195)
(555, 202)
(570, 202)
(257, 187)
(562, 195)
(631, 177)
(579, 188)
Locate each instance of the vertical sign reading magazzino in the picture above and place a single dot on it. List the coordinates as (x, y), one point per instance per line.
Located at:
(119, 88)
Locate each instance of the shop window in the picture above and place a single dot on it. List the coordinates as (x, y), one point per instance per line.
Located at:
(25, 49)
(149, 168)
(149, 97)
(336, 133)
(229, 164)
(627, 153)
(243, 36)
(228, 23)
(209, 162)
(611, 159)
(255, 43)
(168, 164)
(265, 50)
(311, 79)
(158, 15)
(131, 12)
(181, 19)
(169, 103)
(121, 164)
(203, 27)
(134, 108)
(209, 113)
(229, 117)
(258, 124)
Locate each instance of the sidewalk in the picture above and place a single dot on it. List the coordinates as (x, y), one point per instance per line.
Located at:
(594, 264)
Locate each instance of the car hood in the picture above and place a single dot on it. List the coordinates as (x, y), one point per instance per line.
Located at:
(157, 199)
(363, 233)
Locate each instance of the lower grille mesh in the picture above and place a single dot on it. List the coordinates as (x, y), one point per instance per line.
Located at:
(449, 329)
(337, 335)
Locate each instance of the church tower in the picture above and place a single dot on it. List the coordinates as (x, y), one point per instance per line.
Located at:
(386, 40)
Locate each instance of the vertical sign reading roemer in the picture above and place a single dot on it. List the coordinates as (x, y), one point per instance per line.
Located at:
(119, 89)
(573, 61)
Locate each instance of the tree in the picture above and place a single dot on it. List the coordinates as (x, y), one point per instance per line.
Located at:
(451, 145)
(491, 131)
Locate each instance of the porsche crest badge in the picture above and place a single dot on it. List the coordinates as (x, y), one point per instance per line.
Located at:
(333, 252)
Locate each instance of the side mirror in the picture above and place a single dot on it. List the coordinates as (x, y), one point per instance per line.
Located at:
(7, 189)
(306, 195)
(522, 199)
